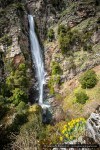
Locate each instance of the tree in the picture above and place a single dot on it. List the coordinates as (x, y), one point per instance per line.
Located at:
(51, 34)
(62, 29)
(18, 96)
(88, 79)
(64, 43)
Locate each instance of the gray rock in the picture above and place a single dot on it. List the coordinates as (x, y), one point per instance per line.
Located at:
(93, 125)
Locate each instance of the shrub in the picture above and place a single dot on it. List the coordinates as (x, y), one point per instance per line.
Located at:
(98, 21)
(18, 78)
(81, 97)
(88, 79)
(62, 29)
(53, 81)
(21, 107)
(87, 36)
(87, 47)
(51, 34)
(18, 121)
(18, 96)
(64, 43)
(3, 110)
(6, 40)
(35, 109)
(56, 68)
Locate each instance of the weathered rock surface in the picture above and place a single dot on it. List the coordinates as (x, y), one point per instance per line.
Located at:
(93, 125)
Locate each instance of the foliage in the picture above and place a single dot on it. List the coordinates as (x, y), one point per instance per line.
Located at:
(88, 79)
(18, 121)
(22, 107)
(56, 68)
(51, 34)
(35, 109)
(62, 29)
(18, 78)
(6, 40)
(30, 133)
(58, 4)
(54, 80)
(81, 97)
(18, 96)
(86, 36)
(64, 43)
(98, 21)
(73, 129)
(67, 39)
(87, 47)
(3, 110)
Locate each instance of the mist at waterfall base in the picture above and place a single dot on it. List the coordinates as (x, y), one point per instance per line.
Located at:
(37, 59)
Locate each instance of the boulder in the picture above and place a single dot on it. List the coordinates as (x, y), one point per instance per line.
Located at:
(93, 125)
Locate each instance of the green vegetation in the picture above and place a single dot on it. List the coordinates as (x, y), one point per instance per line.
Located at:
(98, 21)
(18, 96)
(18, 78)
(56, 68)
(54, 80)
(22, 107)
(62, 29)
(73, 129)
(6, 40)
(88, 79)
(81, 97)
(3, 110)
(51, 35)
(87, 47)
(64, 42)
(55, 76)
(67, 38)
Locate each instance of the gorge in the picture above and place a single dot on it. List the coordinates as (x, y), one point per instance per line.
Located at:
(49, 53)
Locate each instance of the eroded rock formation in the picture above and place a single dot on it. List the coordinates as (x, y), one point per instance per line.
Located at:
(93, 125)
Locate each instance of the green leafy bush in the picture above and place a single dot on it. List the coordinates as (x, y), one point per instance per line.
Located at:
(81, 97)
(18, 96)
(98, 21)
(56, 68)
(21, 107)
(67, 38)
(3, 110)
(87, 47)
(55, 79)
(51, 34)
(6, 40)
(88, 79)
(18, 121)
(18, 78)
(62, 29)
(64, 43)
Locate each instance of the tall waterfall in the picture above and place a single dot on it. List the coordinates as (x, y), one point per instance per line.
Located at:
(37, 57)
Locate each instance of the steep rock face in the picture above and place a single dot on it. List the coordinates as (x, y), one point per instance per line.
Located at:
(45, 13)
(84, 52)
(14, 40)
(93, 125)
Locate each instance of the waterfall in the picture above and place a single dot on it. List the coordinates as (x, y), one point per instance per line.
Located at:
(37, 57)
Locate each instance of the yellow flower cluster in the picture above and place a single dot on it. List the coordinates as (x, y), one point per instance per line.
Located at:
(71, 129)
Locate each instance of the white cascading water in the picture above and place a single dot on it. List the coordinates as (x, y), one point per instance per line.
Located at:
(37, 57)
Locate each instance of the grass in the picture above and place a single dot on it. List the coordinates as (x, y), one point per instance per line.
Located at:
(76, 110)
